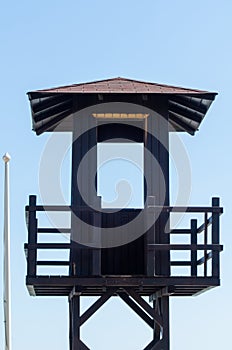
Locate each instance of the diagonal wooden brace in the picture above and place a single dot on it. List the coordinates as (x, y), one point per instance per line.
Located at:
(93, 308)
(125, 297)
(157, 318)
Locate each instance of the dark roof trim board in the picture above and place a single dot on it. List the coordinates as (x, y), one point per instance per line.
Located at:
(187, 107)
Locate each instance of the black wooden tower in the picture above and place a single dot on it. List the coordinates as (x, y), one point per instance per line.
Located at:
(126, 252)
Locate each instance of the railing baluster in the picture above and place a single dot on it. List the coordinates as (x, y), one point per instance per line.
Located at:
(215, 239)
(194, 252)
(32, 237)
(206, 242)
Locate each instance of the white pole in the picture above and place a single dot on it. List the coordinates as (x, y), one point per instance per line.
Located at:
(7, 304)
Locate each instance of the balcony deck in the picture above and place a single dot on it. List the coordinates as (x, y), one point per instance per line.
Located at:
(96, 286)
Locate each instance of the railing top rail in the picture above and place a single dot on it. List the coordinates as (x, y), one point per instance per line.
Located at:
(155, 246)
(167, 209)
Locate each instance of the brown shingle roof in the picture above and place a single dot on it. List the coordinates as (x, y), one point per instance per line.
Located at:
(121, 85)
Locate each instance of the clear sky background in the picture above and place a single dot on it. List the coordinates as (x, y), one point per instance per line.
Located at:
(53, 43)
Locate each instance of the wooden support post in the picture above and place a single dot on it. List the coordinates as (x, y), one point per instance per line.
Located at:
(70, 325)
(32, 237)
(215, 239)
(96, 270)
(194, 252)
(165, 331)
(75, 324)
(157, 329)
(161, 339)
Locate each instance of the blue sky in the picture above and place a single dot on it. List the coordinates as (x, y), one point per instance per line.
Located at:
(52, 43)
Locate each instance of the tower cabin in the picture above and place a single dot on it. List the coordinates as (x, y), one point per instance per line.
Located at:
(122, 247)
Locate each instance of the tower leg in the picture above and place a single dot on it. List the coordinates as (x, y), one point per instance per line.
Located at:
(75, 324)
(161, 334)
(74, 310)
(166, 332)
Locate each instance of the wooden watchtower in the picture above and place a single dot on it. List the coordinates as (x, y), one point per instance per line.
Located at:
(123, 251)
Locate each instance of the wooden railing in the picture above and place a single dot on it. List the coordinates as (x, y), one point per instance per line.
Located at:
(210, 250)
